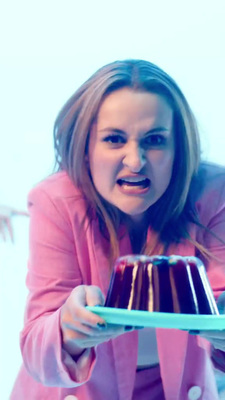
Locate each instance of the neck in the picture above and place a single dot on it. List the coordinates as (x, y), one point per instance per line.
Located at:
(137, 228)
(136, 222)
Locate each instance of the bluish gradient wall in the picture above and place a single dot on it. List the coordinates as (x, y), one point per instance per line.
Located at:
(48, 48)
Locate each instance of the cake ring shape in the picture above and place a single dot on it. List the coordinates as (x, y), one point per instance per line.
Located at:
(171, 284)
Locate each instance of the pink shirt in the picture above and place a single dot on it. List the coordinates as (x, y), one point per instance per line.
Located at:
(147, 347)
(64, 254)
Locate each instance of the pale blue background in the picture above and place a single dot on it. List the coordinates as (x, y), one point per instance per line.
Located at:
(48, 48)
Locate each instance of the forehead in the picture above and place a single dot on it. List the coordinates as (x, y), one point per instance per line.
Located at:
(127, 104)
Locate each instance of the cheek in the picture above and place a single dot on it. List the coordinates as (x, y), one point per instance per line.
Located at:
(162, 166)
(162, 161)
(102, 166)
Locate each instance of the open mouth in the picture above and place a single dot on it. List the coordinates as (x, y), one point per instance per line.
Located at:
(134, 183)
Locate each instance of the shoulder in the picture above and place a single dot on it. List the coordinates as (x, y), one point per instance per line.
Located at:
(208, 189)
(209, 179)
(57, 185)
(210, 172)
(57, 195)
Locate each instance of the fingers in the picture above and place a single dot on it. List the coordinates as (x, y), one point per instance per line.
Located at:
(2, 231)
(82, 328)
(6, 229)
(94, 296)
(19, 212)
(96, 336)
(6, 214)
(10, 229)
(79, 329)
(85, 344)
(82, 296)
(78, 323)
(216, 338)
(213, 334)
(219, 344)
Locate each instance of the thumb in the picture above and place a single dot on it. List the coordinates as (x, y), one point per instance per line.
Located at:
(221, 303)
(94, 296)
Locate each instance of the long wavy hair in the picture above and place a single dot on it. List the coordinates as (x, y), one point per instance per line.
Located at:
(171, 215)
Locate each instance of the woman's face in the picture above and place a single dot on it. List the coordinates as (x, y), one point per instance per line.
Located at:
(131, 150)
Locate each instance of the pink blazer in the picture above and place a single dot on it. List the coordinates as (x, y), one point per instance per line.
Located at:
(64, 254)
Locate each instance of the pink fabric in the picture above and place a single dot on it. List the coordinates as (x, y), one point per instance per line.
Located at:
(148, 385)
(65, 253)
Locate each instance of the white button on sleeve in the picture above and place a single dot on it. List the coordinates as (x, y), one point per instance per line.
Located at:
(70, 397)
(194, 393)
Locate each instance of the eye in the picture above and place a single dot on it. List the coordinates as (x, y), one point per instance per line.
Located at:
(154, 140)
(114, 139)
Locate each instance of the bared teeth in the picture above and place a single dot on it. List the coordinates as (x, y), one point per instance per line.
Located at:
(133, 182)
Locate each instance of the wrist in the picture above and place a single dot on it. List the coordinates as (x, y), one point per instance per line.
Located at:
(74, 351)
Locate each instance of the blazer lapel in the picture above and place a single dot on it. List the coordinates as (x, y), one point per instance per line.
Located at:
(125, 358)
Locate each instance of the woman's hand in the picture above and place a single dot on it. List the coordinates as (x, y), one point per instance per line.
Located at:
(82, 329)
(6, 214)
(216, 338)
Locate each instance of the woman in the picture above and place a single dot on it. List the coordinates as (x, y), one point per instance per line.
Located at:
(129, 181)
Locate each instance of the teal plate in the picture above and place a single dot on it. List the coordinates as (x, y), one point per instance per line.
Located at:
(137, 318)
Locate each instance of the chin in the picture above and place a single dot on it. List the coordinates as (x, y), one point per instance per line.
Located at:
(136, 214)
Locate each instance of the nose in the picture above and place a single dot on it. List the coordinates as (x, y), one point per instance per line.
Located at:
(134, 157)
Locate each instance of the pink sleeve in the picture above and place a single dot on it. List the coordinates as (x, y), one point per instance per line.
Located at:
(215, 213)
(216, 268)
(53, 272)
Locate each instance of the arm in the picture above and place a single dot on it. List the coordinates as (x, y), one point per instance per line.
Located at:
(59, 338)
(216, 268)
(53, 272)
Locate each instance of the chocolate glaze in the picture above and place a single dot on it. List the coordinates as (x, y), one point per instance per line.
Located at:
(165, 284)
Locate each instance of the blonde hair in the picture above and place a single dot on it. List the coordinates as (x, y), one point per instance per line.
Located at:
(171, 214)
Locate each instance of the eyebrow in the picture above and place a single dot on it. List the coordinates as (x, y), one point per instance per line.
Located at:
(120, 131)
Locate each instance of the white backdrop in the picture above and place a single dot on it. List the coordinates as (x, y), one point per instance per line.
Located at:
(48, 48)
